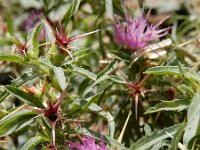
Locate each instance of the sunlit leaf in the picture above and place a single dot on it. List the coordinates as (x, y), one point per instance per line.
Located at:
(32, 142)
(174, 70)
(98, 110)
(11, 58)
(17, 82)
(33, 43)
(49, 34)
(60, 76)
(15, 118)
(25, 97)
(175, 105)
(157, 136)
(72, 10)
(193, 118)
(177, 137)
(109, 8)
(82, 72)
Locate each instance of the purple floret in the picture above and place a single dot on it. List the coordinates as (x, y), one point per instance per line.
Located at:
(137, 33)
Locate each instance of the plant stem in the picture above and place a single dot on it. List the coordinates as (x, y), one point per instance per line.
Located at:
(53, 139)
(124, 127)
(140, 2)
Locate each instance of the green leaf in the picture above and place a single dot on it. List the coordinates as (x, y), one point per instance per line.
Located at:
(10, 24)
(91, 100)
(102, 76)
(174, 70)
(25, 97)
(42, 61)
(147, 129)
(80, 52)
(15, 118)
(11, 58)
(112, 66)
(33, 43)
(194, 108)
(157, 136)
(159, 145)
(184, 88)
(32, 142)
(109, 8)
(177, 137)
(78, 58)
(91, 87)
(72, 10)
(17, 82)
(60, 76)
(98, 110)
(117, 79)
(49, 33)
(193, 124)
(83, 72)
(120, 55)
(175, 105)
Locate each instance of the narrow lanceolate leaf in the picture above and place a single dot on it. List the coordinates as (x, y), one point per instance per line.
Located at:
(17, 82)
(33, 44)
(102, 76)
(11, 58)
(49, 34)
(117, 79)
(32, 142)
(174, 70)
(193, 118)
(15, 118)
(147, 142)
(194, 108)
(99, 111)
(91, 100)
(109, 8)
(177, 137)
(60, 76)
(75, 4)
(25, 97)
(82, 72)
(10, 24)
(78, 58)
(90, 88)
(72, 10)
(112, 66)
(175, 105)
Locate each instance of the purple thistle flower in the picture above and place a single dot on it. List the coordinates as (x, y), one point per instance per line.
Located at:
(88, 144)
(32, 21)
(137, 33)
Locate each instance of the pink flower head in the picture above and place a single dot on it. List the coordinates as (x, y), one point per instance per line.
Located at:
(88, 143)
(137, 32)
(34, 18)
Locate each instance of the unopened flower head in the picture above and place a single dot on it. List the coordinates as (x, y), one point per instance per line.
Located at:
(137, 33)
(88, 143)
(34, 18)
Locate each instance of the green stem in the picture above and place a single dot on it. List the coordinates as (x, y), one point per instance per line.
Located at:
(124, 128)
(53, 139)
(141, 3)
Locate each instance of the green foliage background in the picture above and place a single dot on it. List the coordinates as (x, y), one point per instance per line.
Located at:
(95, 72)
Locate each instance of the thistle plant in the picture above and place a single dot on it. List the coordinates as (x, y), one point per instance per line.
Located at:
(64, 80)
